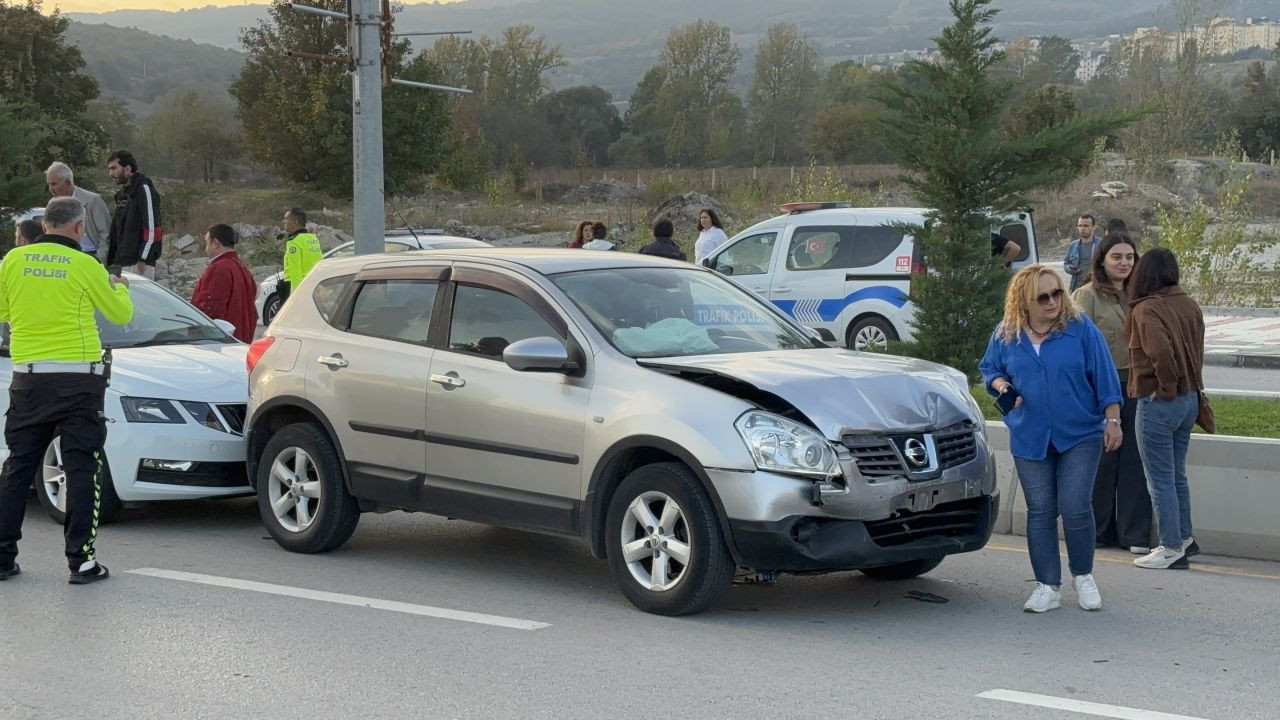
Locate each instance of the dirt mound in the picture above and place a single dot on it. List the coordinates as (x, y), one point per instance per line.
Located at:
(683, 210)
(603, 192)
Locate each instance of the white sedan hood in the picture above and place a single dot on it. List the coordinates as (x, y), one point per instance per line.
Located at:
(208, 373)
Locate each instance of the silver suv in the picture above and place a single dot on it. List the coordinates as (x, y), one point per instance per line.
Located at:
(679, 424)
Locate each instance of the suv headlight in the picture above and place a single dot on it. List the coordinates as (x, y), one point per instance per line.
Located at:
(150, 410)
(781, 445)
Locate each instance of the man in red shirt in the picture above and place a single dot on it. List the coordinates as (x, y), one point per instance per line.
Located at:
(226, 290)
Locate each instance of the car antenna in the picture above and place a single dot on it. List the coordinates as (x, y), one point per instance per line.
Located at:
(396, 210)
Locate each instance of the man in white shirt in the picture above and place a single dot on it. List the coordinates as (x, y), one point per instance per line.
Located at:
(97, 219)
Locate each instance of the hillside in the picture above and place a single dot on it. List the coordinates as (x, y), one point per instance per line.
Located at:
(141, 66)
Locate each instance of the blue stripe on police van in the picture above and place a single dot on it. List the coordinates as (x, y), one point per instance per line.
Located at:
(818, 310)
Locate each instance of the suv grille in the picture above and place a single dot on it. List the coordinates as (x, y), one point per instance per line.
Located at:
(956, 445)
(948, 520)
(881, 455)
(234, 417)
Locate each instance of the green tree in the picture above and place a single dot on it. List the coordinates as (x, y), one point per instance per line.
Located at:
(784, 93)
(297, 114)
(191, 138)
(1045, 107)
(113, 116)
(1257, 116)
(943, 126)
(43, 73)
(21, 175)
(842, 129)
(644, 124)
(1056, 62)
(582, 118)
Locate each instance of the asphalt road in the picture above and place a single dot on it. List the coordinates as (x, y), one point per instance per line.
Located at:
(556, 639)
(1234, 378)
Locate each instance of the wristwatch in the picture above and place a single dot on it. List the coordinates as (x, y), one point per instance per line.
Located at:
(1114, 421)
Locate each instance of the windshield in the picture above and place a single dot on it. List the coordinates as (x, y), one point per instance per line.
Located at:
(661, 312)
(160, 318)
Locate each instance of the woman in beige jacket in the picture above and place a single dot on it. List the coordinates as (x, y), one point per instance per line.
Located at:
(1121, 503)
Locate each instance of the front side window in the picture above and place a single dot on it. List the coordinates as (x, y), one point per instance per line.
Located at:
(665, 312)
(485, 321)
(749, 256)
(394, 309)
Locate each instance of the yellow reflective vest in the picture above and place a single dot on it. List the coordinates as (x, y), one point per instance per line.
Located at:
(48, 292)
(301, 253)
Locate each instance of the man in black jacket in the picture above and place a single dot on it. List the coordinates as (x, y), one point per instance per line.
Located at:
(136, 232)
(664, 244)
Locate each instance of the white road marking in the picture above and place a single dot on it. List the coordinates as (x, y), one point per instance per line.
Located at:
(1080, 706)
(340, 599)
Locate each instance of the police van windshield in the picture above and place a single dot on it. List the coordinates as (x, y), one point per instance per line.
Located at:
(160, 318)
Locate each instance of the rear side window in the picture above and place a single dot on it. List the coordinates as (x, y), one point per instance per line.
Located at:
(328, 293)
(841, 246)
(394, 309)
(1017, 232)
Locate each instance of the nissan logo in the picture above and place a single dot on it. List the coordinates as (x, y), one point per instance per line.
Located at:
(915, 452)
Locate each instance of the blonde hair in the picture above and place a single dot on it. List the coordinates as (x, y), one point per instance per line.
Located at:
(1017, 302)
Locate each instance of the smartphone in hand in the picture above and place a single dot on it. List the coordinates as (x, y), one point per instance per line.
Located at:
(1006, 400)
(115, 270)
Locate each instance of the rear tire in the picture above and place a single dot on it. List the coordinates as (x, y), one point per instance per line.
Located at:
(271, 308)
(302, 498)
(51, 483)
(902, 571)
(870, 333)
(678, 569)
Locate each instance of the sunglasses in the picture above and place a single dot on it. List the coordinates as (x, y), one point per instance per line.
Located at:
(1046, 298)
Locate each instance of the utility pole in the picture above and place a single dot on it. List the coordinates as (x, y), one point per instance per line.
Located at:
(366, 127)
(369, 49)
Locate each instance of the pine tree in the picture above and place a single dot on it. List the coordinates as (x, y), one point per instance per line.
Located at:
(941, 120)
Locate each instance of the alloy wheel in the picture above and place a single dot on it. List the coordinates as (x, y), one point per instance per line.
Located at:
(293, 488)
(655, 541)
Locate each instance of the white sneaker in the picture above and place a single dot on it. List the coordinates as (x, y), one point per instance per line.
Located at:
(1087, 592)
(1139, 549)
(1160, 558)
(1043, 599)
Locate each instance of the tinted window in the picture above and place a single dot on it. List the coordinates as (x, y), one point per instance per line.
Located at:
(486, 321)
(394, 309)
(749, 256)
(1017, 233)
(328, 293)
(841, 247)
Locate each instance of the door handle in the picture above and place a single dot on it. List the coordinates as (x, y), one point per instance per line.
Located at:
(448, 381)
(782, 290)
(333, 361)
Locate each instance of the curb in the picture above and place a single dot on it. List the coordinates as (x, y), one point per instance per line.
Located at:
(1243, 359)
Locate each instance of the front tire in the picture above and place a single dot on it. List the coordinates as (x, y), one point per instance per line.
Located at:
(51, 488)
(666, 551)
(870, 333)
(301, 494)
(271, 308)
(902, 571)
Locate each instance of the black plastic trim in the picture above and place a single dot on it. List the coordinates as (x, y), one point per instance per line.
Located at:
(468, 443)
(883, 277)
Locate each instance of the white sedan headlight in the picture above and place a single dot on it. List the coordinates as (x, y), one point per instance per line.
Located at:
(781, 445)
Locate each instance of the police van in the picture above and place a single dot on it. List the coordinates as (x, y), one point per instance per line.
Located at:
(842, 270)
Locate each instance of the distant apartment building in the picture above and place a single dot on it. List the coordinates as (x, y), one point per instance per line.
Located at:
(1090, 63)
(1219, 36)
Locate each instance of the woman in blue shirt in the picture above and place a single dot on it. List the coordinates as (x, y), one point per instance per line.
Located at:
(1067, 411)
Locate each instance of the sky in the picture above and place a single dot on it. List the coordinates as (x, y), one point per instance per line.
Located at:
(97, 6)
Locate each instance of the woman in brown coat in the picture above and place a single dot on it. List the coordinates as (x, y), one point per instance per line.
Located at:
(1121, 503)
(1166, 357)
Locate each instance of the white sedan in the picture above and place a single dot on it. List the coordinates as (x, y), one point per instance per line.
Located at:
(174, 408)
(398, 240)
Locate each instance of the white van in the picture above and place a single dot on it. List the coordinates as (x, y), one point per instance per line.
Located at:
(841, 270)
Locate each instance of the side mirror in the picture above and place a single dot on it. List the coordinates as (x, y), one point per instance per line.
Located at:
(709, 263)
(225, 326)
(539, 354)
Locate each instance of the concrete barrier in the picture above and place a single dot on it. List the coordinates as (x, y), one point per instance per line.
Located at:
(1235, 493)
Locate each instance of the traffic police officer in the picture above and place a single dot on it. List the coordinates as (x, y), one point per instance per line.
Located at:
(49, 290)
(301, 251)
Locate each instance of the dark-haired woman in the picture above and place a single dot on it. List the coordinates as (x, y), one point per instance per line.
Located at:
(711, 235)
(581, 234)
(1121, 504)
(1166, 357)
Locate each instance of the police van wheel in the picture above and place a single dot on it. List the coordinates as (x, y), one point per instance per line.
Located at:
(271, 308)
(870, 333)
(51, 485)
(302, 497)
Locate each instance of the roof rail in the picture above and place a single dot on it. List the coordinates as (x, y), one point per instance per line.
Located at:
(797, 207)
(411, 231)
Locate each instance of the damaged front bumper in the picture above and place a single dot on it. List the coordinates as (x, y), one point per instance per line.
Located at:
(790, 524)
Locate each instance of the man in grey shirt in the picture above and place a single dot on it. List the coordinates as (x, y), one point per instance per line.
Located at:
(97, 220)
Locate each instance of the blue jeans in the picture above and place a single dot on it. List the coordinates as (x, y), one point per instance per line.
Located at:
(1061, 484)
(1164, 434)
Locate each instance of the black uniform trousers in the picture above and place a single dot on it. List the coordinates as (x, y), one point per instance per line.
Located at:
(43, 406)
(1121, 503)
